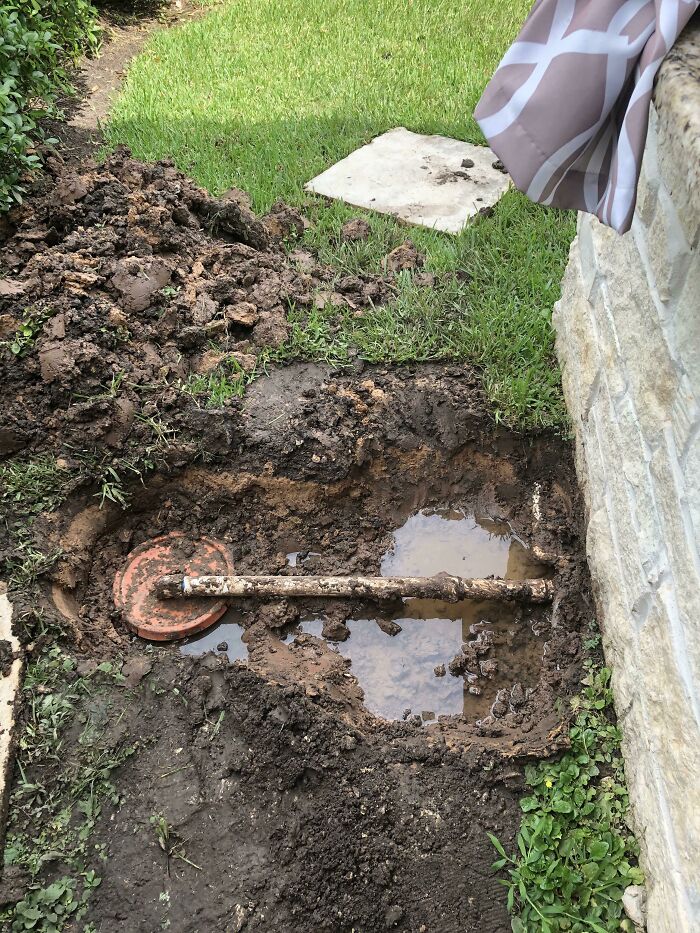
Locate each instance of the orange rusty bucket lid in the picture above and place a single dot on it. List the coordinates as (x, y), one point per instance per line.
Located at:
(169, 619)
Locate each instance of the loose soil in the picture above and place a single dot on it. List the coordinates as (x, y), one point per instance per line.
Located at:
(298, 807)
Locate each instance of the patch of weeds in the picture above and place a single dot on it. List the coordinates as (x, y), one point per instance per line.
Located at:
(58, 798)
(228, 380)
(575, 853)
(24, 338)
(113, 474)
(32, 486)
(27, 564)
(28, 487)
(170, 842)
(49, 909)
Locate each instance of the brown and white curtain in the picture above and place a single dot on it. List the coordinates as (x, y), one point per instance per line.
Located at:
(568, 108)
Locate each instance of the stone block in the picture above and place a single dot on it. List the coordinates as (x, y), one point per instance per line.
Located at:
(634, 463)
(648, 189)
(667, 249)
(577, 341)
(651, 369)
(686, 321)
(684, 414)
(634, 393)
(673, 734)
(587, 259)
(432, 181)
(691, 472)
(612, 361)
(679, 175)
(678, 532)
(621, 507)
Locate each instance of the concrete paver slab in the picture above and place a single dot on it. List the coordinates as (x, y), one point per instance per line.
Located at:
(431, 181)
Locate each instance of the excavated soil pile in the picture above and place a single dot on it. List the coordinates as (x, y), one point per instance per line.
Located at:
(127, 273)
(298, 806)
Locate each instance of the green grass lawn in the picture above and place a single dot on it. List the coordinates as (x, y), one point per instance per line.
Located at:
(265, 94)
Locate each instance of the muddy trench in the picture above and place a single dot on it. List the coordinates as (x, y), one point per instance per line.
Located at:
(335, 765)
(326, 765)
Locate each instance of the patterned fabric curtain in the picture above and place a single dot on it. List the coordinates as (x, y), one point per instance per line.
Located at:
(568, 108)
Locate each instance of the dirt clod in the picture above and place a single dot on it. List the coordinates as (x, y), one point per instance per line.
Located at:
(403, 257)
(355, 230)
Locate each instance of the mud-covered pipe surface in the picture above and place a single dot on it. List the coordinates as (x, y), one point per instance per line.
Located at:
(442, 586)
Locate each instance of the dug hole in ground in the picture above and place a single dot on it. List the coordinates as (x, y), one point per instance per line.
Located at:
(304, 765)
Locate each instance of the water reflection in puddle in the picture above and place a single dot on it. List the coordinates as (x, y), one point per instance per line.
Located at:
(227, 633)
(397, 673)
(451, 541)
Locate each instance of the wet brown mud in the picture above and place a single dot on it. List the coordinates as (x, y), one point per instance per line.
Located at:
(284, 756)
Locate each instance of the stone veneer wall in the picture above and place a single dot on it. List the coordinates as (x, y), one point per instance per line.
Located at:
(628, 339)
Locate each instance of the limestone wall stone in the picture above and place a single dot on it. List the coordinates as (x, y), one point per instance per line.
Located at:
(628, 339)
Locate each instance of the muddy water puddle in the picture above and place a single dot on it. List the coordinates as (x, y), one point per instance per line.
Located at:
(224, 638)
(445, 658)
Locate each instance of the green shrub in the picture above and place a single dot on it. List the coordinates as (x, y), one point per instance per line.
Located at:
(37, 39)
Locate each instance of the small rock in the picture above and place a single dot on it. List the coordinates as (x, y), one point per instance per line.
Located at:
(239, 919)
(208, 361)
(354, 230)
(392, 916)
(222, 646)
(500, 167)
(517, 695)
(439, 671)
(335, 630)
(204, 310)
(247, 361)
(500, 704)
(634, 900)
(467, 163)
(389, 627)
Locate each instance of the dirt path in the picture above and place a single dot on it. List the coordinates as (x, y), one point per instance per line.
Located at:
(98, 80)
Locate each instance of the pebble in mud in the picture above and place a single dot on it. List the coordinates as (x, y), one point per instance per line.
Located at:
(500, 705)
(335, 630)
(393, 915)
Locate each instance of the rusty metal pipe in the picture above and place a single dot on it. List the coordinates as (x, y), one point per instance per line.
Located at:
(442, 586)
